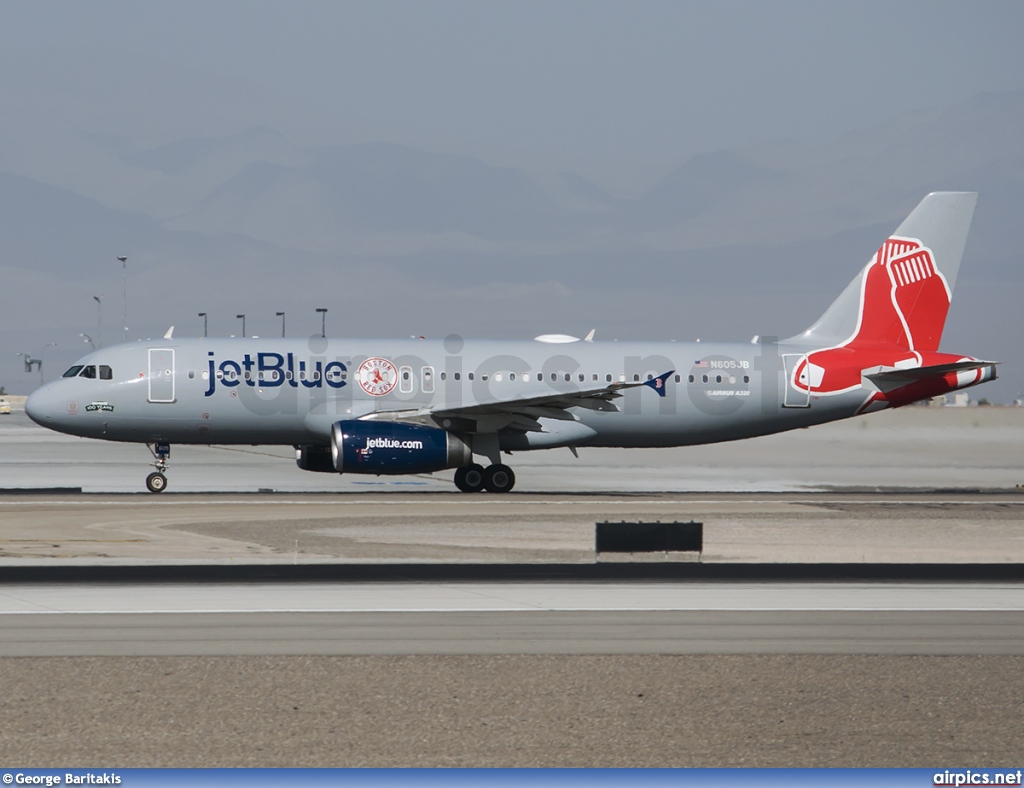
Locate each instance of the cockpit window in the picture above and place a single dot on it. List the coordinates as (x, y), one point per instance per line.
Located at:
(106, 373)
(88, 372)
(73, 371)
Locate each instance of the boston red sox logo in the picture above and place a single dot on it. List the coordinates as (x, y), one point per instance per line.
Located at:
(377, 376)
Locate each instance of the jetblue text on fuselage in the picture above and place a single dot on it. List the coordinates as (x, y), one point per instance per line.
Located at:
(270, 370)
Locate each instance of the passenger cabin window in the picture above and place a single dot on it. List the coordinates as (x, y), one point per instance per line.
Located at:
(73, 372)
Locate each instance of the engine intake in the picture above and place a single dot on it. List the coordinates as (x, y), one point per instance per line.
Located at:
(382, 447)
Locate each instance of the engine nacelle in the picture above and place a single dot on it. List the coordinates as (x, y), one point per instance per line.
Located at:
(383, 447)
(318, 459)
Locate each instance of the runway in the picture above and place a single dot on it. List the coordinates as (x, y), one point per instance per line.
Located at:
(859, 602)
(908, 448)
(501, 618)
(951, 527)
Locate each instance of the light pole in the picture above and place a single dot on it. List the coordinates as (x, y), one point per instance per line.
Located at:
(124, 297)
(203, 316)
(281, 315)
(323, 320)
(242, 317)
(29, 362)
(39, 361)
(99, 319)
(88, 339)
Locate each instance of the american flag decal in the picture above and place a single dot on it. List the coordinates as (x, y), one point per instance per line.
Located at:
(700, 364)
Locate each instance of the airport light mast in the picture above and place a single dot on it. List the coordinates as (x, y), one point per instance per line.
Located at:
(323, 320)
(203, 316)
(124, 297)
(242, 318)
(37, 362)
(99, 320)
(281, 315)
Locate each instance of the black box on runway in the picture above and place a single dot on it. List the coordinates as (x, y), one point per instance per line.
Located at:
(641, 537)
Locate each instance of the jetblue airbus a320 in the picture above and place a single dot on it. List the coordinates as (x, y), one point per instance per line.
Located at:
(417, 406)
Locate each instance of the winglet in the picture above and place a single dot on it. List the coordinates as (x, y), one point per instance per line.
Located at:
(658, 383)
(170, 333)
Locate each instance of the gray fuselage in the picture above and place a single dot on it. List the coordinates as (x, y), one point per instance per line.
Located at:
(288, 391)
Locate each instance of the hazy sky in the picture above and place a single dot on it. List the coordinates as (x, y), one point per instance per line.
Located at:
(618, 92)
(614, 90)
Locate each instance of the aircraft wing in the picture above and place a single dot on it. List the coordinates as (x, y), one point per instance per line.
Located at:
(521, 413)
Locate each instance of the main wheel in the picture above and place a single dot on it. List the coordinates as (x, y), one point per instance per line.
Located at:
(156, 482)
(499, 478)
(470, 478)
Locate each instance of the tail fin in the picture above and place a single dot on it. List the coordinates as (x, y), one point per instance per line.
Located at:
(902, 296)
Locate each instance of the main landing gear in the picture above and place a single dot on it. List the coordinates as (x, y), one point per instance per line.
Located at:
(157, 481)
(495, 478)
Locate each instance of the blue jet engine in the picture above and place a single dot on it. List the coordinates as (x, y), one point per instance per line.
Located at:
(383, 447)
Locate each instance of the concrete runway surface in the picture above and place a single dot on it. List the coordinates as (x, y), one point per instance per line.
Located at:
(449, 671)
(857, 527)
(923, 448)
(517, 618)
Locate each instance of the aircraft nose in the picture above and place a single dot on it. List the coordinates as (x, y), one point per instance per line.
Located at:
(40, 406)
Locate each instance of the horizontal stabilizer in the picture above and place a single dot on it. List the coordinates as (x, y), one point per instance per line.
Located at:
(921, 373)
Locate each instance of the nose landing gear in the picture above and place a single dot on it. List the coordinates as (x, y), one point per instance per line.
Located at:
(157, 481)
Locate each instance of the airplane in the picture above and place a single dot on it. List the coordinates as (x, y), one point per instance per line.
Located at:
(367, 406)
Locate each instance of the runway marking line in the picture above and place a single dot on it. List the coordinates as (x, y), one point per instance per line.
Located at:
(478, 502)
(225, 611)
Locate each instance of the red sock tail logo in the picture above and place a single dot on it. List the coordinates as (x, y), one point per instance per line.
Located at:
(905, 298)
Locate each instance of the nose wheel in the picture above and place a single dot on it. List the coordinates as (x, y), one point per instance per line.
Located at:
(156, 482)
